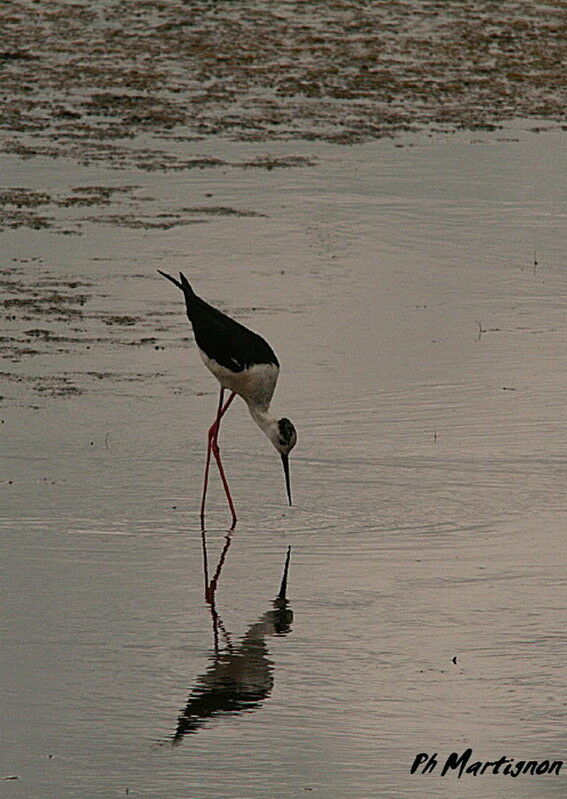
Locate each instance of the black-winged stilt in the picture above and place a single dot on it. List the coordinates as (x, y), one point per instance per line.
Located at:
(245, 364)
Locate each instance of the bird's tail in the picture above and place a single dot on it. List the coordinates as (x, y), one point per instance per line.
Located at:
(182, 283)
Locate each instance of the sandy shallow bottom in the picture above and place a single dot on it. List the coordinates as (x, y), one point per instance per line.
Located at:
(414, 291)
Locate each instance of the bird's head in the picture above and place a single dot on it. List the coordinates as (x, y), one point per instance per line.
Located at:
(283, 436)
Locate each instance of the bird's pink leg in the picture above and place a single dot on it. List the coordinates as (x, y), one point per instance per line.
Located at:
(216, 453)
(226, 406)
(213, 445)
(207, 464)
(211, 433)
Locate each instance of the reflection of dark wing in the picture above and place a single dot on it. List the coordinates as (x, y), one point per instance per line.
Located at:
(235, 681)
(225, 689)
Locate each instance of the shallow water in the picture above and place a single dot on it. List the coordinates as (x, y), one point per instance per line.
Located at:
(424, 363)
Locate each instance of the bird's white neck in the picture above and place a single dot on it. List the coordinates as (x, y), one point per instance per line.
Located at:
(266, 422)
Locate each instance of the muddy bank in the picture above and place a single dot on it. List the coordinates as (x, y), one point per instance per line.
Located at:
(85, 79)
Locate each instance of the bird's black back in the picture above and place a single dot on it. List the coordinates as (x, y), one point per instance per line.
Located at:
(221, 338)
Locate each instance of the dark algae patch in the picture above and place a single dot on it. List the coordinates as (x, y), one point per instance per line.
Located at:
(24, 207)
(220, 210)
(50, 385)
(69, 211)
(83, 80)
(53, 324)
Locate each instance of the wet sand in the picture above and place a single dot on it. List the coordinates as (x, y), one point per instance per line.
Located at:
(414, 291)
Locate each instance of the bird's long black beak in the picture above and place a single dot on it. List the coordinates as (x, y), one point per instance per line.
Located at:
(285, 461)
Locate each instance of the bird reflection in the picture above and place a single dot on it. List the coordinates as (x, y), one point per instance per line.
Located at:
(240, 676)
(211, 584)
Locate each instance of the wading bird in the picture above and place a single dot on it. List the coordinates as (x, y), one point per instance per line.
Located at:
(245, 364)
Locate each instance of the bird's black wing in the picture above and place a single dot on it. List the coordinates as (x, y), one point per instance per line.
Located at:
(226, 341)
(222, 339)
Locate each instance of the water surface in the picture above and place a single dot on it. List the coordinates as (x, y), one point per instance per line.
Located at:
(423, 358)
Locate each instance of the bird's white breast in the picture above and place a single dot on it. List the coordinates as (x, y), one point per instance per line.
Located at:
(255, 385)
